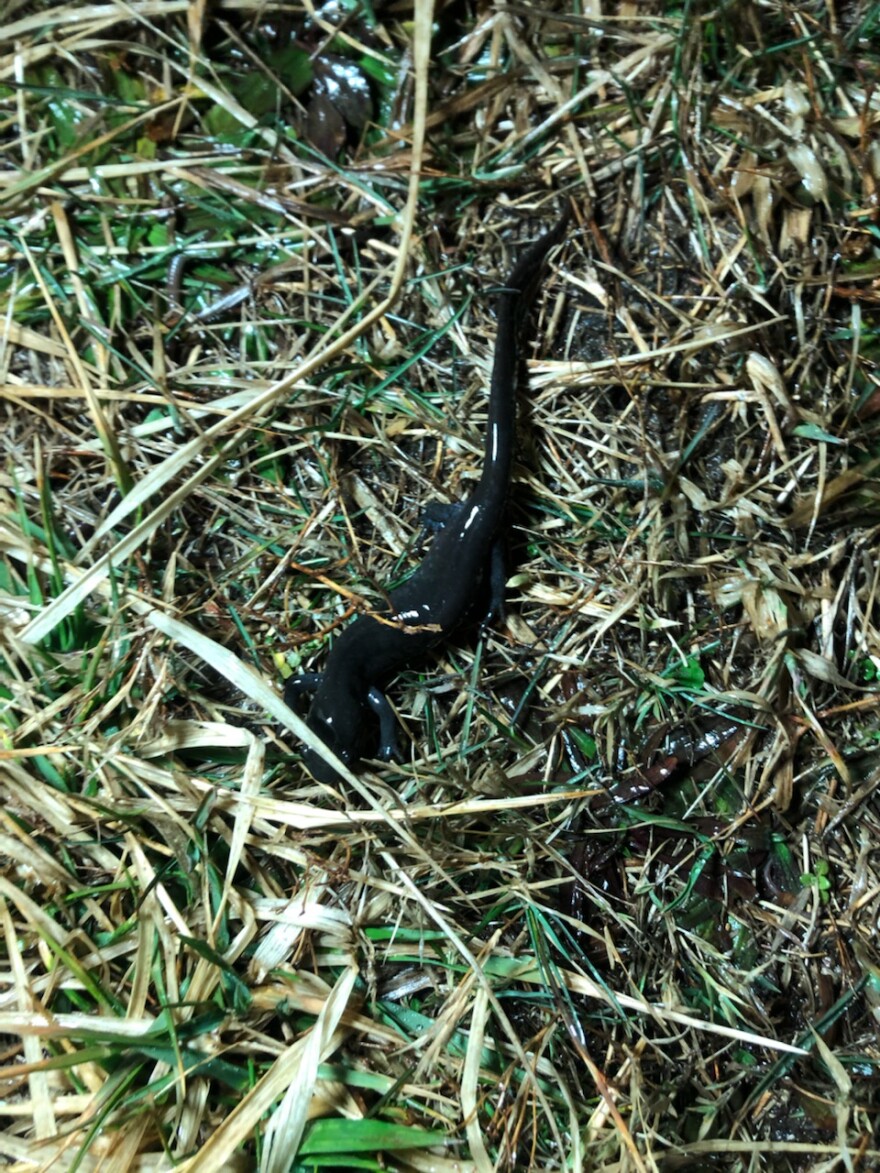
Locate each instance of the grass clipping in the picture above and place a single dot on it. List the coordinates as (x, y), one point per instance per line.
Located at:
(617, 908)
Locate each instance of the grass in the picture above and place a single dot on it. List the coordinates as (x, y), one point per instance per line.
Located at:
(617, 908)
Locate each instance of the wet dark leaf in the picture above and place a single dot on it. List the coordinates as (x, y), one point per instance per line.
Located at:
(325, 126)
(340, 101)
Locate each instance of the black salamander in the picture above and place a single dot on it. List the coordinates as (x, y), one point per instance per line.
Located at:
(465, 557)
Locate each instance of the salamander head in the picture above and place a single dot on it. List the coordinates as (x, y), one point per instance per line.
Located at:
(340, 718)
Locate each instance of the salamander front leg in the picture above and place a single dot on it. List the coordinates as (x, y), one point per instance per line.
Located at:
(389, 750)
(297, 685)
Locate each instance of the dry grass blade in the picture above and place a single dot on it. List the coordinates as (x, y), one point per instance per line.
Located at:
(616, 906)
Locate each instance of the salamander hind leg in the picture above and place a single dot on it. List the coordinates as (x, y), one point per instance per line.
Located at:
(389, 747)
(438, 514)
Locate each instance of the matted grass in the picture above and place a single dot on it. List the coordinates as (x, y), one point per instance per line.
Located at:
(618, 908)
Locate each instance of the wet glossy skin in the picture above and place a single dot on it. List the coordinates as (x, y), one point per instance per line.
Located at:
(441, 594)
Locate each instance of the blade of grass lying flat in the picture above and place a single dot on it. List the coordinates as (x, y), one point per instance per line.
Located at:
(15, 189)
(703, 223)
(341, 1137)
(470, 1082)
(580, 984)
(806, 1043)
(293, 1075)
(160, 475)
(483, 982)
(105, 433)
